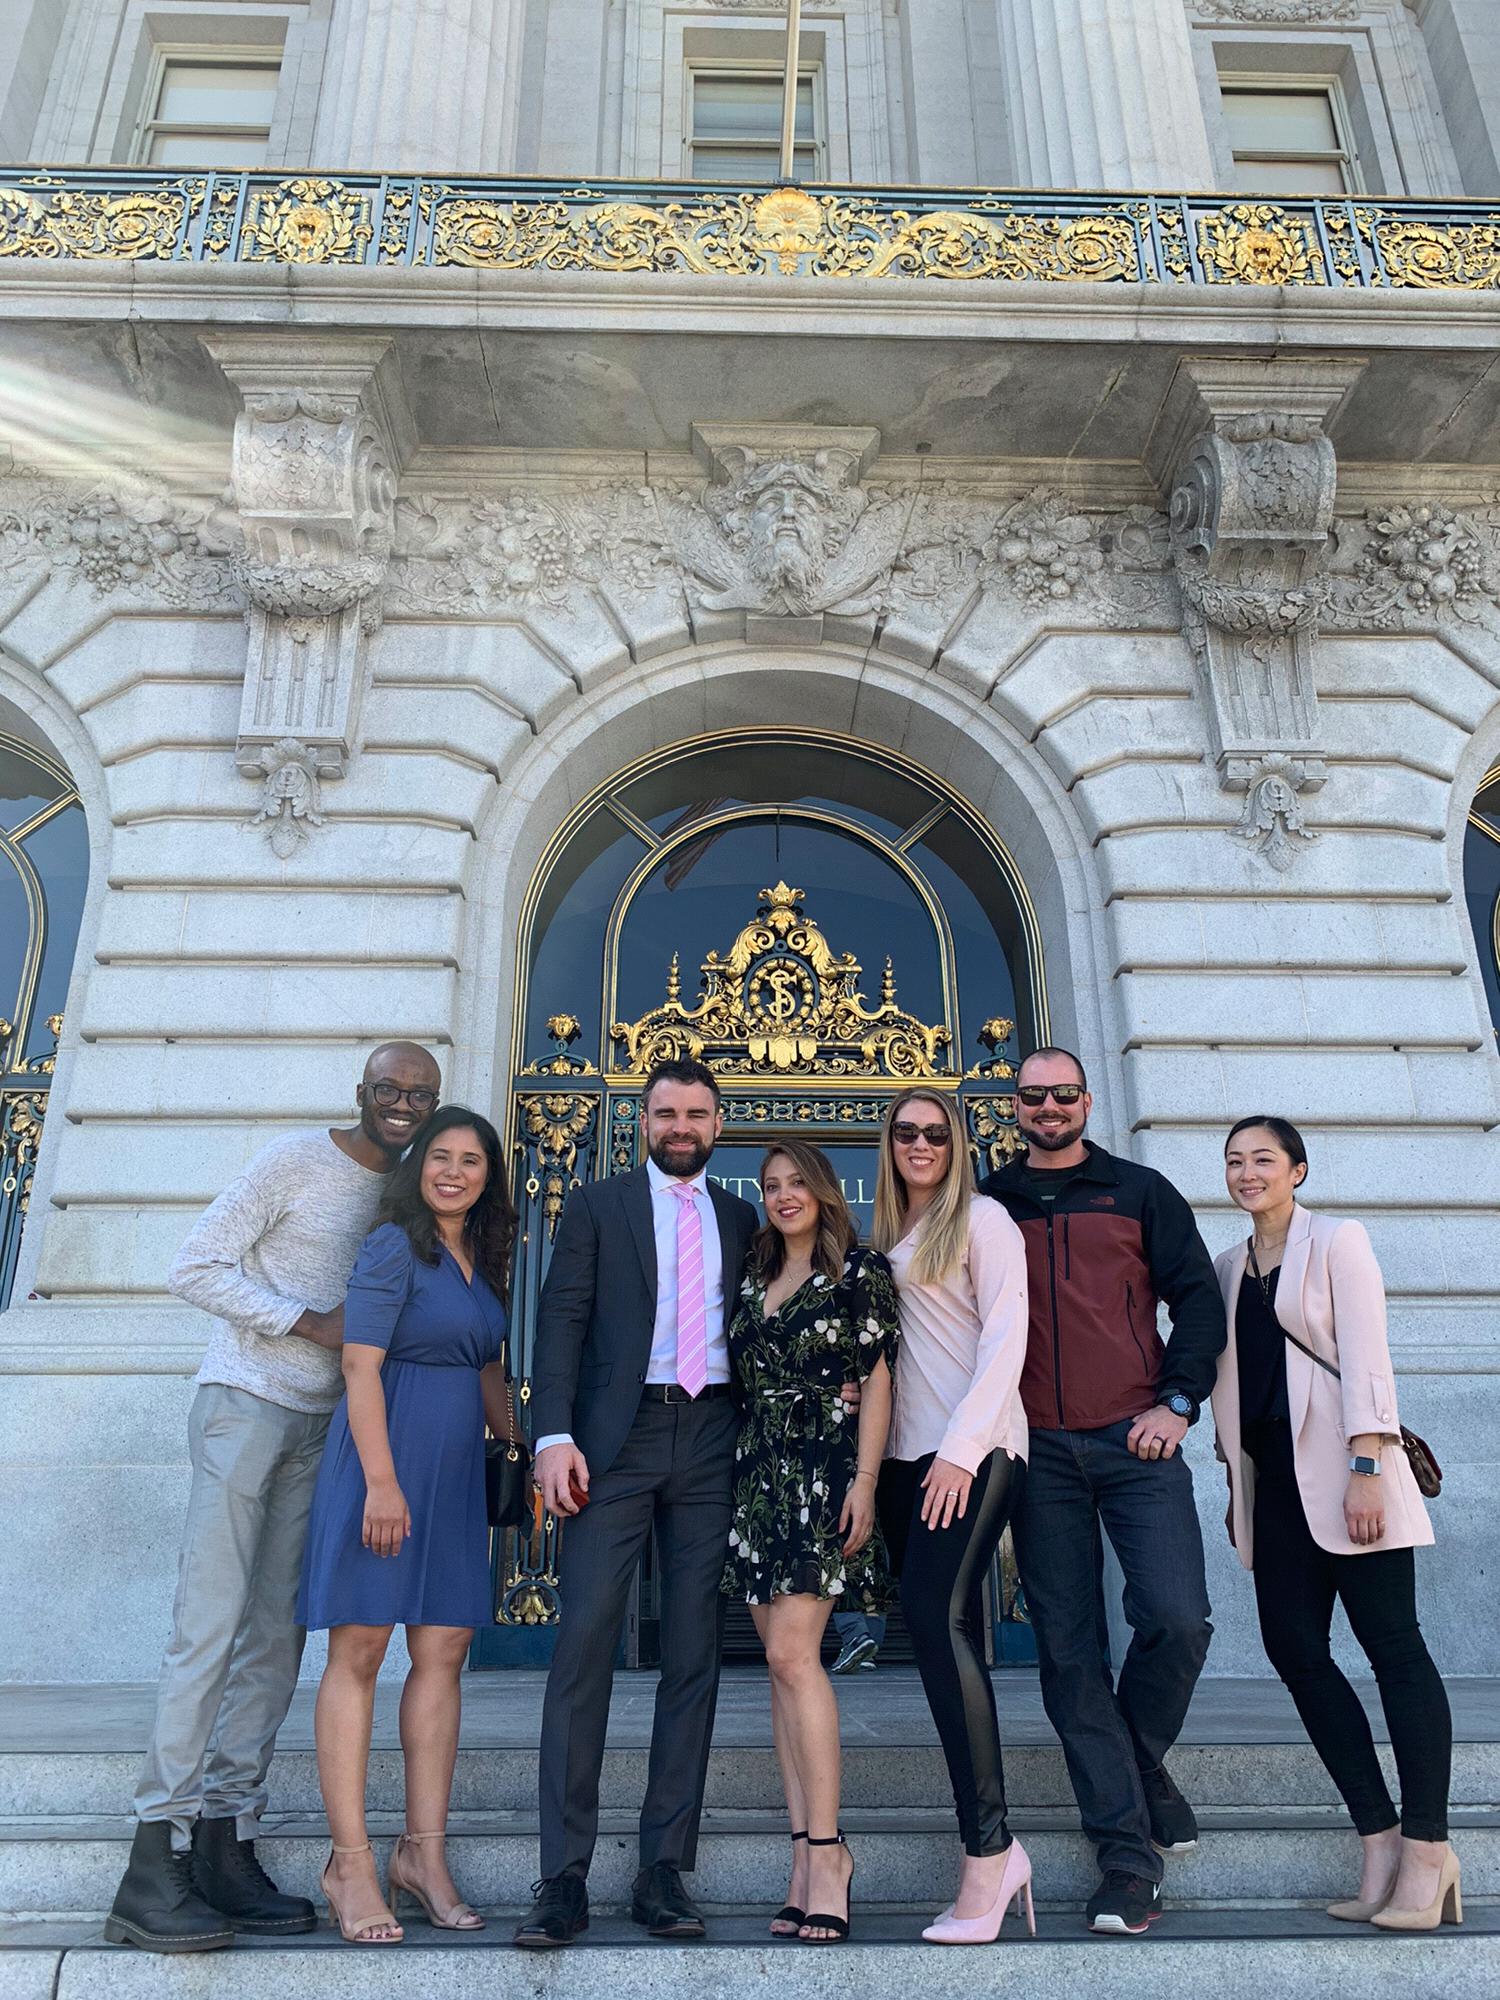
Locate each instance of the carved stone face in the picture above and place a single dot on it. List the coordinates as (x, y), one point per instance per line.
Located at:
(786, 531)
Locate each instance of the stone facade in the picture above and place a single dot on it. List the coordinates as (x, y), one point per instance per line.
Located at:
(337, 590)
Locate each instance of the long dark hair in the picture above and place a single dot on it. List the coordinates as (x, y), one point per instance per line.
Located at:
(836, 1236)
(489, 1226)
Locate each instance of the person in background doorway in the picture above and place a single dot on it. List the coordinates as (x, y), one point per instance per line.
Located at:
(1324, 1506)
(861, 1634)
(398, 1534)
(1109, 1405)
(815, 1312)
(270, 1259)
(955, 1467)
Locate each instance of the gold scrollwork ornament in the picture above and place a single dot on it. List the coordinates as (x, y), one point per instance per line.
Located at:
(309, 220)
(1259, 243)
(1454, 259)
(66, 222)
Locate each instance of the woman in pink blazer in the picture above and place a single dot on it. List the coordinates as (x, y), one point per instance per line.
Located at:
(1322, 1492)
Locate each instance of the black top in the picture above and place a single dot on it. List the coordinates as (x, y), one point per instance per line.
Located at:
(1260, 1346)
(1047, 1183)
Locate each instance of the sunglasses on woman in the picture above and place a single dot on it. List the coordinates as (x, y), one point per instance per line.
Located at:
(906, 1134)
(1034, 1094)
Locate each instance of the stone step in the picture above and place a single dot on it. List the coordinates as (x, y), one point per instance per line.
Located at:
(1248, 1855)
(1235, 1955)
(503, 1777)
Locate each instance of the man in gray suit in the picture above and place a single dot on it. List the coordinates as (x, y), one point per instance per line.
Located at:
(636, 1429)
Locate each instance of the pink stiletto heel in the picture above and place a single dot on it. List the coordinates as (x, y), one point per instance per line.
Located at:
(1015, 1883)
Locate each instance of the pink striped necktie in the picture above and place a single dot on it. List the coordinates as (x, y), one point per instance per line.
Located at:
(692, 1314)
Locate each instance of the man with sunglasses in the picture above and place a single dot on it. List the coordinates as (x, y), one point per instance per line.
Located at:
(1108, 1404)
(270, 1260)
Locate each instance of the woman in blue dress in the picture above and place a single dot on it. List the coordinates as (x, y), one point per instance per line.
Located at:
(398, 1534)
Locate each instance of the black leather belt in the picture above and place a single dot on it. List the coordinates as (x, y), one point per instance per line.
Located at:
(673, 1392)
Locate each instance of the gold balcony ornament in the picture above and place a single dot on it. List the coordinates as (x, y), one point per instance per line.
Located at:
(782, 1002)
(70, 222)
(308, 220)
(1459, 258)
(1259, 243)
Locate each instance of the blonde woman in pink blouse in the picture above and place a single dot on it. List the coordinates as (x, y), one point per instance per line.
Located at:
(955, 1462)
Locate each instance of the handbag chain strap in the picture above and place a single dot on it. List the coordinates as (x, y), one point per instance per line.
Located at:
(1302, 1344)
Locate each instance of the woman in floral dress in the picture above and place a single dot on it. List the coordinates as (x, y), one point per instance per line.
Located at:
(816, 1312)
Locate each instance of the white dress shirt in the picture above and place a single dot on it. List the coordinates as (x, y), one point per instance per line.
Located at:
(665, 1205)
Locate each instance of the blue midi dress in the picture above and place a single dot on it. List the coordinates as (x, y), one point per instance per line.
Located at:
(437, 1332)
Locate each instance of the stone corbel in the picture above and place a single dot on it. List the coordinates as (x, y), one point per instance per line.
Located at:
(317, 449)
(1244, 451)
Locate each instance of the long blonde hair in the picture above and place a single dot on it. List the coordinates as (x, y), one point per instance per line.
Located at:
(837, 1235)
(945, 1230)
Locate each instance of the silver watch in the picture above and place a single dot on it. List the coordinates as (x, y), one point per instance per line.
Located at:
(1368, 1468)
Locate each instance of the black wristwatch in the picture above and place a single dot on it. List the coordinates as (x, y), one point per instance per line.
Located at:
(1181, 1406)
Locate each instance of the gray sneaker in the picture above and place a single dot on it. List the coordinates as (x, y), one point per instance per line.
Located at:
(855, 1653)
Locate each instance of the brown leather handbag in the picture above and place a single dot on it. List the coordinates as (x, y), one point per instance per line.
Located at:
(1424, 1467)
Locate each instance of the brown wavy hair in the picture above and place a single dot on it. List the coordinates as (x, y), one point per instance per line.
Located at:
(836, 1236)
(489, 1226)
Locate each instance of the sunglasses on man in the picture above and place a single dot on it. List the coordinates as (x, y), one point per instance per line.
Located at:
(1033, 1094)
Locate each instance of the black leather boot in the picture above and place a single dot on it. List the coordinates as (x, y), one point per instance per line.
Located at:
(156, 1905)
(227, 1876)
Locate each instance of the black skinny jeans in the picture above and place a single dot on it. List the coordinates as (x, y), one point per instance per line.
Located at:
(942, 1572)
(1296, 1583)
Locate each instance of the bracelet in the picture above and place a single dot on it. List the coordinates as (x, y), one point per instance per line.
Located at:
(864, 1475)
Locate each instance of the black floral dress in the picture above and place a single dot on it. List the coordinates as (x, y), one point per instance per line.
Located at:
(799, 1445)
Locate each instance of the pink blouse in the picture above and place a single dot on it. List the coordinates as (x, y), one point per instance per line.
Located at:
(963, 1343)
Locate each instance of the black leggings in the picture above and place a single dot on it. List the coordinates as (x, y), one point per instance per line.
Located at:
(1296, 1583)
(942, 1574)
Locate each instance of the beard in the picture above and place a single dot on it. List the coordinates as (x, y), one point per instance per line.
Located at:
(785, 568)
(684, 1160)
(1055, 1141)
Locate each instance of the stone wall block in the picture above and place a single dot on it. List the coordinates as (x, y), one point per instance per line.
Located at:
(202, 714)
(279, 925)
(1384, 795)
(123, 656)
(416, 785)
(1202, 863)
(183, 1162)
(1330, 1086)
(297, 1083)
(1143, 794)
(524, 676)
(1065, 669)
(1332, 1010)
(1412, 667)
(349, 1003)
(1355, 1170)
(1110, 731)
(1395, 732)
(581, 638)
(171, 783)
(356, 853)
(1149, 932)
(110, 1252)
(653, 622)
(462, 722)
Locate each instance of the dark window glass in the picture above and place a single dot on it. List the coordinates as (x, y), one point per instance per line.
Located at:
(760, 773)
(699, 898)
(25, 787)
(570, 926)
(1482, 889)
(59, 852)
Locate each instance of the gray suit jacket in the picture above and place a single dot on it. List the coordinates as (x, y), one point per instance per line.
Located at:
(599, 1308)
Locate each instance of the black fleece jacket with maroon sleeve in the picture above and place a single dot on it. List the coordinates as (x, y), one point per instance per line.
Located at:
(1117, 1239)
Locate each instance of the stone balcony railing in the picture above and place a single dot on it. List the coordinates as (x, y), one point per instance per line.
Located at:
(136, 214)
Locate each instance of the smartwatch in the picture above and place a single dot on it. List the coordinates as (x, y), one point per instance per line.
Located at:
(1369, 1468)
(1182, 1406)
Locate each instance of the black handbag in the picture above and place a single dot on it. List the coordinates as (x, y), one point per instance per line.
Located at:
(507, 1475)
(1419, 1454)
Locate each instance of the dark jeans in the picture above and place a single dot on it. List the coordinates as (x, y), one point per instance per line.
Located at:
(1296, 1583)
(942, 1572)
(1078, 1482)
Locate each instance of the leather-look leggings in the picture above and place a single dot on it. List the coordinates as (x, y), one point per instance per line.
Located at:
(942, 1572)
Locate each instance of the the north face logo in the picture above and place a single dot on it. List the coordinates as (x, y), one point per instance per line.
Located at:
(1102, 1201)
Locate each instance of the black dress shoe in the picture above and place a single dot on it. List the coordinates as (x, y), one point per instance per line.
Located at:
(228, 1877)
(156, 1905)
(560, 1912)
(660, 1902)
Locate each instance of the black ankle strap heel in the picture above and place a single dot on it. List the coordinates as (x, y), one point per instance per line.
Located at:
(789, 1913)
(821, 1919)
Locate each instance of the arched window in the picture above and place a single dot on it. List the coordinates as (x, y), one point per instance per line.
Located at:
(1482, 884)
(43, 879)
(819, 920)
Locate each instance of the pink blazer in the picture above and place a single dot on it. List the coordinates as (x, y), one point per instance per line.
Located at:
(1330, 1294)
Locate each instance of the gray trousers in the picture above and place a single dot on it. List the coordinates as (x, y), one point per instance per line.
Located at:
(674, 1470)
(231, 1667)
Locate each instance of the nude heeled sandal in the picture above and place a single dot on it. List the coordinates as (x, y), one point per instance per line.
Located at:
(360, 1933)
(460, 1918)
(1446, 1907)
